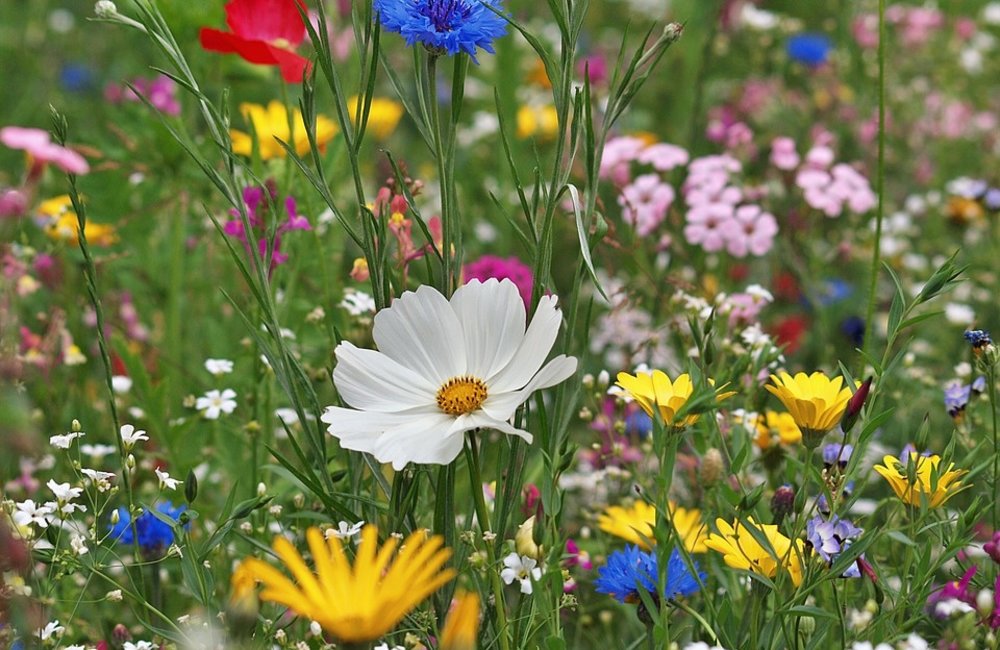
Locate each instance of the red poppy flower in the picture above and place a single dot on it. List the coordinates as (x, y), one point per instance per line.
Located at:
(262, 33)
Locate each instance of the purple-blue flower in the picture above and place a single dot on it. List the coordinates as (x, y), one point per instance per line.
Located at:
(632, 569)
(155, 536)
(810, 49)
(444, 26)
(837, 454)
(830, 537)
(978, 339)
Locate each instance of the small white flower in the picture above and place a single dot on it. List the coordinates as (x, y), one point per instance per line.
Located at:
(951, 607)
(130, 435)
(701, 645)
(914, 642)
(358, 303)
(315, 628)
(959, 314)
(219, 366)
(114, 596)
(63, 491)
(166, 481)
(79, 545)
(385, 646)
(27, 512)
(63, 441)
(760, 294)
(522, 568)
(105, 9)
(345, 530)
(121, 384)
(214, 403)
(101, 480)
(51, 630)
(97, 451)
(138, 645)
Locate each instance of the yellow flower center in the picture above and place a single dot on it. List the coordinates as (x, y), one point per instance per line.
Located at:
(461, 395)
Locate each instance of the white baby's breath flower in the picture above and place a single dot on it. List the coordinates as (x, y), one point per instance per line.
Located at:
(522, 568)
(345, 530)
(115, 596)
(130, 435)
(166, 481)
(443, 368)
(97, 452)
(51, 630)
(139, 645)
(358, 303)
(219, 366)
(79, 545)
(64, 491)
(63, 441)
(28, 513)
(214, 403)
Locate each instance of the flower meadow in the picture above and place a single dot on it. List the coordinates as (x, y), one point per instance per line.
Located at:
(458, 324)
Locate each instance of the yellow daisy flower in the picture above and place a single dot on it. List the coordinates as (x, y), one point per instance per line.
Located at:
(271, 122)
(741, 550)
(815, 402)
(461, 626)
(383, 116)
(657, 389)
(773, 423)
(356, 603)
(635, 524)
(61, 224)
(928, 482)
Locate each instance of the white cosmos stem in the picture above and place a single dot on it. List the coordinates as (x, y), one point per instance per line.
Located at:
(424, 340)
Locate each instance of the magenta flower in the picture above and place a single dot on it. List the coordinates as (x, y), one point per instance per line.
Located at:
(258, 210)
(41, 149)
(160, 91)
(510, 268)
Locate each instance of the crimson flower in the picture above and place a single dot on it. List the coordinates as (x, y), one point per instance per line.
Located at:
(263, 31)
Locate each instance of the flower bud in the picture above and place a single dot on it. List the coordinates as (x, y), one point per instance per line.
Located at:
(712, 467)
(261, 489)
(121, 634)
(992, 547)
(115, 517)
(130, 462)
(783, 502)
(603, 379)
(586, 414)
(984, 602)
(105, 9)
(191, 487)
(524, 540)
(807, 625)
(75, 426)
(854, 405)
(587, 381)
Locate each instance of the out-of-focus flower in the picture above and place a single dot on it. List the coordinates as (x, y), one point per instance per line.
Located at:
(264, 32)
(461, 625)
(809, 49)
(928, 481)
(741, 550)
(383, 115)
(942, 602)
(750, 231)
(40, 149)
(60, 223)
(443, 368)
(631, 569)
(635, 524)
(783, 154)
(522, 568)
(782, 424)
(540, 122)
(444, 26)
(154, 536)
(657, 391)
(270, 124)
(360, 602)
(263, 209)
(815, 401)
(160, 92)
(645, 202)
(992, 547)
(219, 366)
(502, 268)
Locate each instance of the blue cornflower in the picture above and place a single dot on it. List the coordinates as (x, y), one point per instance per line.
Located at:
(831, 537)
(632, 569)
(810, 49)
(978, 339)
(834, 290)
(155, 536)
(444, 26)
(853, 327)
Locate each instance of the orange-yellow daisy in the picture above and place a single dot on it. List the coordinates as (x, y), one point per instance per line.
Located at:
(741, 550)
(635, 524)
(815, 402)
(657, 390)
(928, 482)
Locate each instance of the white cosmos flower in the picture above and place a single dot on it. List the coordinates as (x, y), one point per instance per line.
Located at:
(443, 368)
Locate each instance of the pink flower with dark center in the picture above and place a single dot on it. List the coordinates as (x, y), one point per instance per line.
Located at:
(41, 149)
(645, 203)
(617, 157)
(783, 154)
(751, 231)
(707, 225)
(663, 156)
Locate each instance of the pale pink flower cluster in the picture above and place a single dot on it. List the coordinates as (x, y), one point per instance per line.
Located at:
(646, 199)
(833, 188)
(915, 25)
(715, 218)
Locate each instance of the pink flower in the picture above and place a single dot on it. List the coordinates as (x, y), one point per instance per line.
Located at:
(663, 156)
(40, 147)
(706, 225)
(645, 203)
(618, 154)
(783, 154)
(13, 203)
(751, 231)
(510, 268)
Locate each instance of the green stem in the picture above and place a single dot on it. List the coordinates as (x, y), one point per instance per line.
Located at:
(475, 476)
(447, 225)
(991, 379)
(879, 188)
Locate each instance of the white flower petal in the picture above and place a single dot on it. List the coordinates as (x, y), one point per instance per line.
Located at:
(492, 317)
(502, 405)
(399, 438)
(370, 380)
(534, 347)
(421, 331)
(480, 420)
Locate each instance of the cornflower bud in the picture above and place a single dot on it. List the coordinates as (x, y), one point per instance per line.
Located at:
(712, 467)
(783, 502)
(854, 405)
